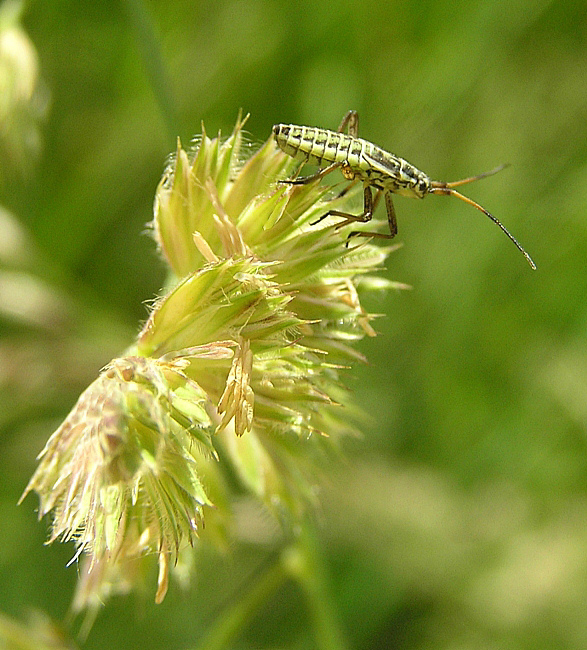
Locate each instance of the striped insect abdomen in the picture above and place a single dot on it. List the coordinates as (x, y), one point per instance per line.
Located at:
(316, 146)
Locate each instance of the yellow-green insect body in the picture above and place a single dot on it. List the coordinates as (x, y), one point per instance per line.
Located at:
(360, 160)
(364, 160)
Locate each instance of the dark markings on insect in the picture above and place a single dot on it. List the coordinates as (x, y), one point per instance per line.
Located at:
(360, 160)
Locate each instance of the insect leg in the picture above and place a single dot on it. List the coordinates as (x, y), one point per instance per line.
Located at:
(351, 119)
(390, 215)
(346, 189)
(368, 212)
(304, 180)
(365, 216)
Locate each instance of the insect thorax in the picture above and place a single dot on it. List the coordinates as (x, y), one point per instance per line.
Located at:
(390, 172)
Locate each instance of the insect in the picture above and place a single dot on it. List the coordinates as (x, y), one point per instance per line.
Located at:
(360, 160)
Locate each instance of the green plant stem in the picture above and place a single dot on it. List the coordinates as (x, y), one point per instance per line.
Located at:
(305, 563)
(302, 562)
(233, 621)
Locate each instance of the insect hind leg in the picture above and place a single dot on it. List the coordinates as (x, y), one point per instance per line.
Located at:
(391, 220)
(366, 215)
(305, 180)
(350, 120)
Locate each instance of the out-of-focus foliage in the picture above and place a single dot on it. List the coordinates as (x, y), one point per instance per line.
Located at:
(460, 519)
(40, 633)
(22, 100)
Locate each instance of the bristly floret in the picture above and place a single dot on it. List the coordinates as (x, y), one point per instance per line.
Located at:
(236, 372)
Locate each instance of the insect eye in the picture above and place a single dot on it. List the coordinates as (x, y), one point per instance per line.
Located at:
(422, 186)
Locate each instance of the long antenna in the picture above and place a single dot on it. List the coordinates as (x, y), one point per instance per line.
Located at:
(437, 187)
(478, 177)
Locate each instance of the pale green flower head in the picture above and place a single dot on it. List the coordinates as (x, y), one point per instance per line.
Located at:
(237, 371)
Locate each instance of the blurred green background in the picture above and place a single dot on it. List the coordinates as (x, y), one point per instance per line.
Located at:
(460, 519)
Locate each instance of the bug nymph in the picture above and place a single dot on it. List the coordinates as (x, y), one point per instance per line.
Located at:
(360, 160)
